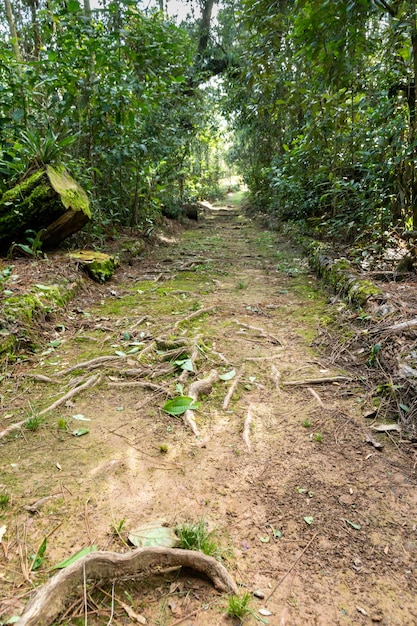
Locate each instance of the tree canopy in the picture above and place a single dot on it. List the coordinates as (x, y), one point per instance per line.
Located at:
(320, 95)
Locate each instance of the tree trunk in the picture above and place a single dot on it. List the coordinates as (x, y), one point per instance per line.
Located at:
(12, 28)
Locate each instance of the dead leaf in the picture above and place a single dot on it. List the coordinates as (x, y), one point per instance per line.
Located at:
(386, 428)
(361, 610)
(376, 444)
(139, 619)
(2, 532)
(265, 612)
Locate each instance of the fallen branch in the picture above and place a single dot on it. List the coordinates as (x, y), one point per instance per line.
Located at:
(50, 599)
(11, 428)
(246, 430)
(319, 381)
(196, 389)
(85, 365)
(93, 380)
(395, 328)
(291, 568)
(233, 387)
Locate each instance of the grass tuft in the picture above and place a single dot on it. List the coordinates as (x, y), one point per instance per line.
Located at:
(239, 606)
(197, 537)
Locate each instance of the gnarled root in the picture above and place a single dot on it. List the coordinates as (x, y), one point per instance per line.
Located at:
(49, 600)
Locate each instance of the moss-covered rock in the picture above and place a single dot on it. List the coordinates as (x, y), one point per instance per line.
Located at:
(49, 200)
(98, 265)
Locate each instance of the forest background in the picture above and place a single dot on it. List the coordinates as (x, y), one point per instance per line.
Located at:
(313, 102)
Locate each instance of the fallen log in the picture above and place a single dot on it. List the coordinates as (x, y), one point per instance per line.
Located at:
(50, 599)
(49, 200)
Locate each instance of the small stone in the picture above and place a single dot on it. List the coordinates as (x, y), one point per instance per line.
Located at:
(259, 594)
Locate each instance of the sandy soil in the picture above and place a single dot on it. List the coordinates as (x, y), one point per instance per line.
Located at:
(310, 516)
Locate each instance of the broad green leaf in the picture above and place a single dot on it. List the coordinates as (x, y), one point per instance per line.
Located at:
(38, 558)
(228, 375)
(153, 535)
(178, 406)
(309, 520)
(79, 432)
(75, 557)
(185, 364)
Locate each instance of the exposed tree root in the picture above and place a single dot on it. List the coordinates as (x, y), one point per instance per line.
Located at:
(93, 380)
(194, 315)
(396, 329)
(233, 387)
(141, 383)
(50, 599)
(261, 331)
(196, 389)
(246, 430)
(85, 365)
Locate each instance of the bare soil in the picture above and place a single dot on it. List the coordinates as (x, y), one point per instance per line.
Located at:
(308, 513)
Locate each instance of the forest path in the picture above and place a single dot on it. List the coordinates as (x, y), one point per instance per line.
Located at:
(316, 520)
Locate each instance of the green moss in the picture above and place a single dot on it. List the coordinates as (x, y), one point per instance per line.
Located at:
(72, 195)
(98, 265)
(361, 290)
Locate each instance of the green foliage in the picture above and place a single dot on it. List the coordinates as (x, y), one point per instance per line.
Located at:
(238, 606)
(4, 500)
(197, 537)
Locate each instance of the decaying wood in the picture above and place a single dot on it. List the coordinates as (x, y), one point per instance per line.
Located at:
(246, 430)
(85, 365)
(232, 388)
(50, 599)
(318, 381)
(197, 388)
(93, 380)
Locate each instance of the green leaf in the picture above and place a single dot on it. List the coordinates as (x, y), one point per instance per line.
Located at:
(178, 406)
(185, 364)
(264, 538)
(309, 520)
(38, 558)
(228, 375)
(153, 535)
(404, 407)
(79, 432)
(120, 353)
(355, 526)
(75, 557)
(80, 417)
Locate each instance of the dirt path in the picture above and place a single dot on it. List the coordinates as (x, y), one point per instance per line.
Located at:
(310, 515)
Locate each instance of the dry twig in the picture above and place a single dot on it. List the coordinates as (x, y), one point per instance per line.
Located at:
(318, 381)
(194, 315)
(85, 365)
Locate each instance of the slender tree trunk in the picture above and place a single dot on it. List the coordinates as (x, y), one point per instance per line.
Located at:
(12, 28)
(204, 30)
(413, 121)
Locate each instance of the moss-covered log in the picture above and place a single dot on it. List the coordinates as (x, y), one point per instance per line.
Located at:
(98, 265)
(49, 200)
(340, 275)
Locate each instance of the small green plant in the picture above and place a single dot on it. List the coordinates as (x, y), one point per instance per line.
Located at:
(239, 606)
(33, 423)
(4, 500)
(318, 437)
(306, 423)
(62, 423)
(373, 356)
(163, 448)
(241, 285)
(198, 537)
(33, 247)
